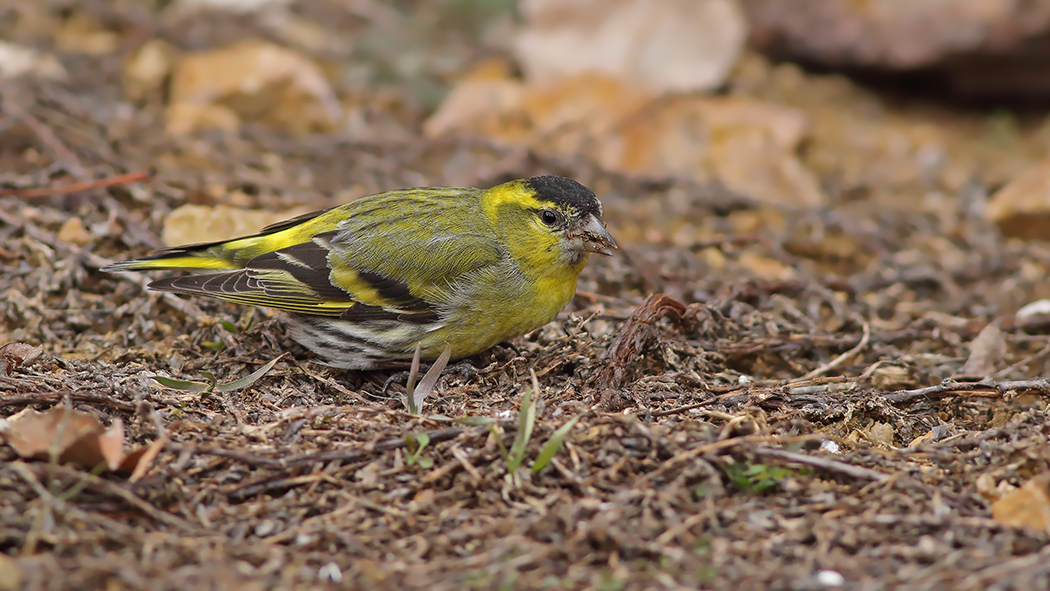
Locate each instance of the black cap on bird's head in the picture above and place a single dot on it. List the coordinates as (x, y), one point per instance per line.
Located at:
(587, 232)
(563, 191)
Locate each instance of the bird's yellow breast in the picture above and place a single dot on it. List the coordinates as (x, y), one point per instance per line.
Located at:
(503, 305)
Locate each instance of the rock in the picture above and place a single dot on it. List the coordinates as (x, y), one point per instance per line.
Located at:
(1021, 209)
(672, 45)
(893, 34)
(258, 81)
(971, 47)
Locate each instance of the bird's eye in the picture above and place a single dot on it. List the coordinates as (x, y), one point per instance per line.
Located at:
(548, 217)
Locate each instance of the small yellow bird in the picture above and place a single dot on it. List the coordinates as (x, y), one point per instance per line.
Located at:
(368, 281)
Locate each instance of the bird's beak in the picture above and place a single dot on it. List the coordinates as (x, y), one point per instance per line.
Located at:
(591, 236)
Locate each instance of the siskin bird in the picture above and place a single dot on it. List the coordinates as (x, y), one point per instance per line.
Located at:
(368, 281)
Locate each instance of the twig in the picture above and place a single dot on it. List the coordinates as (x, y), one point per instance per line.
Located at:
(355, 455)
(253, 488)
(332, 384)
(819, 462)
(723, 240)
(110, 488)
(63, 155)
(350, 455)
(797, 387)
(987, 388)
(718, 446)
(42, 397)
(1009, 570)
(844, 357)
(113, 181)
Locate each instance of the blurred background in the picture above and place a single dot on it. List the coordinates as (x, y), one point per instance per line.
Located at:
(848, 199)
(879, 143)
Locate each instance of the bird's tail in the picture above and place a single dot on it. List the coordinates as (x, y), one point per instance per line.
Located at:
(225, 255)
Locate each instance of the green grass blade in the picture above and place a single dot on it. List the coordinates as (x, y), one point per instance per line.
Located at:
(249, 379)
(526, 422)
(553, 445)
(426, 385)
(409, 398)
(183, 385)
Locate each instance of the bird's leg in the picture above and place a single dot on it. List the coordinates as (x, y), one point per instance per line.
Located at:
(396, 377)
(464, 368)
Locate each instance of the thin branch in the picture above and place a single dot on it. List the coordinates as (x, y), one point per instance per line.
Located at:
(109, 488)
(844, 357)
(983, 388)
(821, 462)
(113, 181)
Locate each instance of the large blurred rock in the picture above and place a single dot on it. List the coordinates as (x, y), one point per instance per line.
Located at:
(967, 47)
(671, 45)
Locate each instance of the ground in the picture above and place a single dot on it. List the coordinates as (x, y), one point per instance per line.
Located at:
(770, 398)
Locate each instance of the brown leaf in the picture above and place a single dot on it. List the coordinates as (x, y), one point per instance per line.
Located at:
(256, 81)
(38, 435)
(640, 333)
(1021, 209)
(987, 351)
(1028, 506)
(749, 145)
(73, 437)
(10, 574)
(200, 223)
(14, 355)
(139, 461)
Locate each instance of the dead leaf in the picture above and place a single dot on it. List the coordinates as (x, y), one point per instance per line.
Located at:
(18, 60)
(73, 231)
(10, 573)
(488, 88)
(256, 81)
(668, 46)
(72, 437)
(146, 70)
(893, 377)
(747, 144)
(1028, 506)
(987, 351)
(199, 223)
(881, 434)
(14, 355)
(766, 268)
(185, 118)
(640, 333)
(991, 490)
(83, 33)
(1022, 208)
(139, 461)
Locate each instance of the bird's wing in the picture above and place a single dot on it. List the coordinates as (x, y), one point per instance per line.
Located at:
(387, 270)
